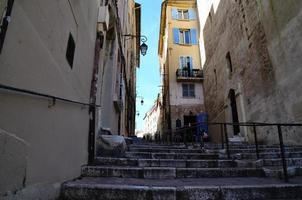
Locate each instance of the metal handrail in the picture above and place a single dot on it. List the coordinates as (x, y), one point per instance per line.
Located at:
(54, 98)
(224, 136)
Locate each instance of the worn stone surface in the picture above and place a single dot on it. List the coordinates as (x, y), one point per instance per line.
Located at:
(111, 145)
(180, 189)
(178, 178)
(45, 191)
(13, 162)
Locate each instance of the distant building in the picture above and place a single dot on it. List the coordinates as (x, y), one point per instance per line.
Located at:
(152, 123)
(180, 64)
(252, 59)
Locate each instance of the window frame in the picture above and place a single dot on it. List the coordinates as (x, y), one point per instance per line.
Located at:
(183, 33)
(190, 93)
(184, 60)
(181, 14)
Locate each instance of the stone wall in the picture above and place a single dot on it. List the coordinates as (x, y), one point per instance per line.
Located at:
(263, 76)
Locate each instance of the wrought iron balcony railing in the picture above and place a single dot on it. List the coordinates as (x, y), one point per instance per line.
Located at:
(189, 74)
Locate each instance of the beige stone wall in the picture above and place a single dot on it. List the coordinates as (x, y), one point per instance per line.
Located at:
(33, 58)
(265, 76)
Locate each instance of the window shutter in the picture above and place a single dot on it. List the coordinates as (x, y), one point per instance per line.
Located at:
(192, 14)
(191, 62)
(193, 36)
(174, 13)
(180, 62)
(176, 35)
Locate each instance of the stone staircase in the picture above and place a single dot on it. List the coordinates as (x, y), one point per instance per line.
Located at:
(157, 172)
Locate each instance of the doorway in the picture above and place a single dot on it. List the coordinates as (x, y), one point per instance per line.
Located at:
(190, 120)
(233, 104)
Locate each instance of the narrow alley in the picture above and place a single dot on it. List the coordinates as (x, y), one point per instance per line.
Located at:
(150, 99)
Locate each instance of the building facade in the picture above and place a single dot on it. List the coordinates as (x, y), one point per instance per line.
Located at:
(64, 67)
(251, 58)
(120, 58)
(152, 120)
(180, 64)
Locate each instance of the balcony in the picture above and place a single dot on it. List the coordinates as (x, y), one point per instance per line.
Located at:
(189, 75)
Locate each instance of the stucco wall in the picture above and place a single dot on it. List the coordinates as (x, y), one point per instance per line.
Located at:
(175, 51)
(174, 104)
(33, 58)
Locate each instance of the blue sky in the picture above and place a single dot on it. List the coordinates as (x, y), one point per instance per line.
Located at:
(148, 77)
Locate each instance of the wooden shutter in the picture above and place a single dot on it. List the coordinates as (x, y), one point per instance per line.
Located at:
(174, 13)
(193, 36)
(176, 35)
(192, 14)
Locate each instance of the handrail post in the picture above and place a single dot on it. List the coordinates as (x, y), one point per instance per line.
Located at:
(282, 153)
(256, 141)
(226, 140)
(221, 134)
(185, 137)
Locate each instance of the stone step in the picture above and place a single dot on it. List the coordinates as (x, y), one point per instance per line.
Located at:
(278, 162)
(180, 146)
(266, 150)
(252, 146)
(164, 163)
(232, 150)
(168, 172)
(148, 155)
(277, 171)
(161, 150)
(268, 155)
(179, 189)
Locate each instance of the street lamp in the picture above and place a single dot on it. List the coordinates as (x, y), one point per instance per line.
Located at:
(143, 47)
(142, 99)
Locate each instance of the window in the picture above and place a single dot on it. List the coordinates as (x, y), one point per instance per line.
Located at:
(215, 76)
(178, 123)
(70, 51)
(185, 36)
(183, 14)
(229, 63)
(185, 62)
(188, 90)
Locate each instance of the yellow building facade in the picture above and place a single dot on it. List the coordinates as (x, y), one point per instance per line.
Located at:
(180, 64)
